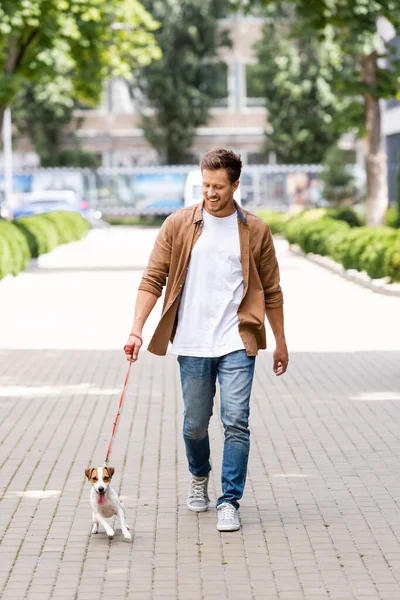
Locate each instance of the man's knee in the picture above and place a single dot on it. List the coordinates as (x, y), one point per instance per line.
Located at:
(236, 428)
(194, 431)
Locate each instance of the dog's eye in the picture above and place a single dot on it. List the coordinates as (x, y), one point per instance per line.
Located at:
(94, 479)
(106, 478)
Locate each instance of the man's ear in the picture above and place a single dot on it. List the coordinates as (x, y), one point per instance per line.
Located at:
(235, 185)
(88, 472)
(110, 470)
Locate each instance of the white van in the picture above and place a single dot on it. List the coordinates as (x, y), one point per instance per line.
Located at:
(193, 193)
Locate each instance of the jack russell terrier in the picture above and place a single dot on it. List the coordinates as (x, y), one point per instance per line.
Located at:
(105, 502)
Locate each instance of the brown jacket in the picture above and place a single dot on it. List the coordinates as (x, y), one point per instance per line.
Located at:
(170, 259)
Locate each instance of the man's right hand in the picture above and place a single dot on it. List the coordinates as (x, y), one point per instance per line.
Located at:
(132, 347)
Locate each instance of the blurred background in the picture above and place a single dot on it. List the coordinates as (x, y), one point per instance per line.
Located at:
(107, 111)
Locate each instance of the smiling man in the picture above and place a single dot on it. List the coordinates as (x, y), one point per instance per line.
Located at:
(223, 278)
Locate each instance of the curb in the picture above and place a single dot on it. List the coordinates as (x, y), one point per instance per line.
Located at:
(380, 286)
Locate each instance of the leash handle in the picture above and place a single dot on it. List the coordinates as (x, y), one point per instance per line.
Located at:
(118, 413)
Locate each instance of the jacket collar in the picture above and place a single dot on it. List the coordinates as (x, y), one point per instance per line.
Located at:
(197, 216)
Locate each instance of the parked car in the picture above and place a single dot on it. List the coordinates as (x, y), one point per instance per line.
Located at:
(45, 201)
(193, 193)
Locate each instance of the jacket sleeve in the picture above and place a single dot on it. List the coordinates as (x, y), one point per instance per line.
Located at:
(269, 272)
(156, 272)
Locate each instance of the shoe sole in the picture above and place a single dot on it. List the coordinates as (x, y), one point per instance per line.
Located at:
(228, 528)
(197, 508)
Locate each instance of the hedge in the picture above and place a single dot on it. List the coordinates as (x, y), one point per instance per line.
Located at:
(29, 237)
(14, 250)
(375, 250)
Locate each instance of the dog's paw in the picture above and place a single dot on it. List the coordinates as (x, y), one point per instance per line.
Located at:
(110, 534)
(95, 528)
(127, 536)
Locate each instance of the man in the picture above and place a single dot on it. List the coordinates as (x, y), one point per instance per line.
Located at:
(223, 277)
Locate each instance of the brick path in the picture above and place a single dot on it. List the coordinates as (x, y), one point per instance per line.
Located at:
(320, 516)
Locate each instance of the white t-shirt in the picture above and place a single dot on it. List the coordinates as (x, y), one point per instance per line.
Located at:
(207, 315)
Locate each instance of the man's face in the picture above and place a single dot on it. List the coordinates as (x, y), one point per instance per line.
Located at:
(218, 192)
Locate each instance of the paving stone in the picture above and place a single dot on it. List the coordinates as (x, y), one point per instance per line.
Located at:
(319, 516)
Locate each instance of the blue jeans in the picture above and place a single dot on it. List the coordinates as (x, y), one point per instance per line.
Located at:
(198, 378)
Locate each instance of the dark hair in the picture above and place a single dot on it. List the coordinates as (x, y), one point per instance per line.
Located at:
(223, 159)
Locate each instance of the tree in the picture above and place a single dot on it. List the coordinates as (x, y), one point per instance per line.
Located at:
(44, 116)
(339, 182)
(352, 27)
(296, 76)
(82, 42)
(180, 88)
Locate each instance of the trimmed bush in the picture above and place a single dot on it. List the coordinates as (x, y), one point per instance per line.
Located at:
(45, 232)
(18, 246)
(346, 214)
(391, 263)
(392, 217)
(69, 226)
(28, 237)
(41, 235)
(5, 258)
(375, 250)
(275, 220)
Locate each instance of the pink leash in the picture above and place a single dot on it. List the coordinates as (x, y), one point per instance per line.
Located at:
(117, 415)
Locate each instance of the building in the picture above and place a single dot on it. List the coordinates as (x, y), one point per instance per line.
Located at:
(238, 122)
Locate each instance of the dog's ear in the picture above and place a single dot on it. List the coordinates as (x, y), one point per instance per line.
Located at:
(88, 472)
(110, 470)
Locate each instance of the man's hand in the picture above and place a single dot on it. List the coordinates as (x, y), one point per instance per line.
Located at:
(281, 358)
(132, 348)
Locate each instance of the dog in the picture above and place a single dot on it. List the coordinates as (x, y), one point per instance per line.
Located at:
(105, 502)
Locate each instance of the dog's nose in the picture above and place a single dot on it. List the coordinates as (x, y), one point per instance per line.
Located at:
(101, 489)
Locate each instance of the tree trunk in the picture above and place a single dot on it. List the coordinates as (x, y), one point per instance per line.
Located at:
(377, 190)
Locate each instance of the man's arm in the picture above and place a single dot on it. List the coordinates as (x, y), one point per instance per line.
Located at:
(145, 303)
(150, 288)
(269, 273)
(276, 321)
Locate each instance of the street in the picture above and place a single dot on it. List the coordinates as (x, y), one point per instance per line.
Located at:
(320, 515)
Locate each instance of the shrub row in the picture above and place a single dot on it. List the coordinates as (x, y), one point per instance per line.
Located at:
(375, 250)
(29, 237)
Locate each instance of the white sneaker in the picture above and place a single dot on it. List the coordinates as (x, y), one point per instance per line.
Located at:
(228, 517)
(198, 500)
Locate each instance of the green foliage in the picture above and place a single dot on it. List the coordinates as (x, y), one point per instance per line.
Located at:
(365, 249)
(14, 250)
(391, 264)
(41, 235)
(350, 29)
(314, 232)
(346, 214)
(393, 216)
(296, 75)
(6, 267)
(31, 236)
(183, 85)
(69, 47)
(375, 250)
(338, 180)
(397, 205)
(277, 222)
(44, 121)
(44, 232)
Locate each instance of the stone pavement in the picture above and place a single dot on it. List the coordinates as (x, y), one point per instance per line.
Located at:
(320, 516)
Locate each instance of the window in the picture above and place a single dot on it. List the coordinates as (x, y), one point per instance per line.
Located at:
(218, 83)
(255, 95)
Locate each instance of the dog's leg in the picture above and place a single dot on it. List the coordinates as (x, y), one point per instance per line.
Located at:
(107, 527)
(95, 527)
(124, 527)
